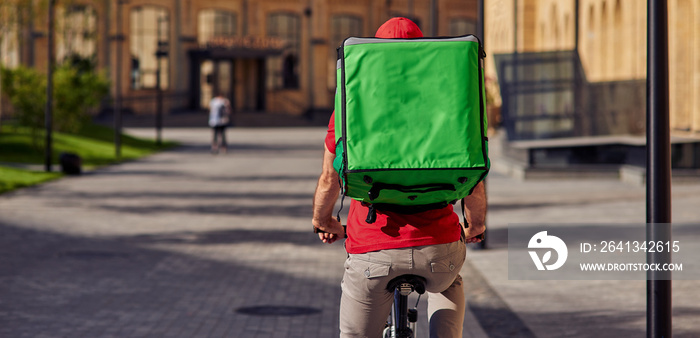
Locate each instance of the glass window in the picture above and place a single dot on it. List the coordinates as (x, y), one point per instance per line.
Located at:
(283, 71)
(9, 36)
(216, 23)
(76, 28)
(462, 26)
(149, 33)
(343, 26)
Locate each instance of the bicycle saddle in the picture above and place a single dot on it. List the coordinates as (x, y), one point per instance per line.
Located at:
(408, 283)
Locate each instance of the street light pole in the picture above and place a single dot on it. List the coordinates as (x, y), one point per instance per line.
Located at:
(48, 112)
(310, 59)
(159, 105)
(117, 85)
(658, 201)
(161, 52)
(480, 32)
(433, 17)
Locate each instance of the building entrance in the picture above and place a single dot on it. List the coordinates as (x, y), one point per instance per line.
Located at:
(234, 67)
(241, 80)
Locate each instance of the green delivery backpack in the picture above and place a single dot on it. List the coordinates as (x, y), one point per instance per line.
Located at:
(410, 121)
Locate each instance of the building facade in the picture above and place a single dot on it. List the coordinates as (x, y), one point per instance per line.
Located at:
(609, 39)
(279, 55)
(265, 55)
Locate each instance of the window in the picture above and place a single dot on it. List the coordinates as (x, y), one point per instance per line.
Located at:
(76, 33)
(283, 71)
(216, 23)
(462, 26)
(9, 36)
(343, 26)
(149, 34)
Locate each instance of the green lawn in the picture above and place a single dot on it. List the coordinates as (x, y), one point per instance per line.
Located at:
(11, 179)
(94, 144)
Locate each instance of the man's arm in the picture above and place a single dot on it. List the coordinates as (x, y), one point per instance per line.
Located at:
(326, 194)
(475, 213)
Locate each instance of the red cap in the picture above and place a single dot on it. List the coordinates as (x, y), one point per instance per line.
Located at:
(400, 28)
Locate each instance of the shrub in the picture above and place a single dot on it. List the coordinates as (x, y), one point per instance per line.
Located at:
(26, 89)
(76, 90)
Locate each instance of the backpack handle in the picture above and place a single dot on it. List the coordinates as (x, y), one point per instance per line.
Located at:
(420, 189)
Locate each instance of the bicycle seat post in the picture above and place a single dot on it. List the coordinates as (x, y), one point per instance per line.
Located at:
(401, 308)
(403, 320)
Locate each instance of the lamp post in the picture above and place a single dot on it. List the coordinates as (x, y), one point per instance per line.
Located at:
(433, 17)
(308, 12)
(161, 52)
(658, 200)
(48, 112)
(117, 85)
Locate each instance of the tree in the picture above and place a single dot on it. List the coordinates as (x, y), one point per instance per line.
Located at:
(14, 14)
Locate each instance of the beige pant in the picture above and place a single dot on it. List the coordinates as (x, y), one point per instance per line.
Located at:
(365, 303)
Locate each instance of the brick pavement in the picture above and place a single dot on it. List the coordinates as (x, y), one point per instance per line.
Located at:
(171, 246)
(174, 244)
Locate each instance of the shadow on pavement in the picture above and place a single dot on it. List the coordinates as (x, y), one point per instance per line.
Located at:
(300, 210)
(262, 237)
(246, 148)
(150, 195)
(57, 285)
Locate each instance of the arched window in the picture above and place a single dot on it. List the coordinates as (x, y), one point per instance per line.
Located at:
(343, 26)
(150, 29)
(216, 23)
(283, 72)
(9, 36)
(462, 26)
(76, 36)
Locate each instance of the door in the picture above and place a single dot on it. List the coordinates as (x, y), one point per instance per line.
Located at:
(216, 77)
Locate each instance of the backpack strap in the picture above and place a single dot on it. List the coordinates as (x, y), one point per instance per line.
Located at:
(371, 214)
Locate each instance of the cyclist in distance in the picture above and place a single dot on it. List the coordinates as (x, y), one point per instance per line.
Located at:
(431, 244)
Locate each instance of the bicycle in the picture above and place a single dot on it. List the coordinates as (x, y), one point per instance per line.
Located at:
(402, 321)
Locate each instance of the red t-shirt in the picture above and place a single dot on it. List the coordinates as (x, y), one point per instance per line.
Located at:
(392, 230)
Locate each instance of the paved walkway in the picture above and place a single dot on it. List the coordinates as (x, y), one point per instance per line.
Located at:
(190, 244)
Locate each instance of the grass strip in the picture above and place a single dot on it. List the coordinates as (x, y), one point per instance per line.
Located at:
(11, 179)
(94, 144)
